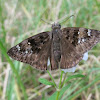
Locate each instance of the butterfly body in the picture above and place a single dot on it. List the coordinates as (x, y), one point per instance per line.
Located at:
(56, 37)
(64, 47)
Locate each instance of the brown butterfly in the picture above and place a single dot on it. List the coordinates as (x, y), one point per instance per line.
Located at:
(64, 47)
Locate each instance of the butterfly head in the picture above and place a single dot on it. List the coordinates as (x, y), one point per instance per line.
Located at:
(56, 26)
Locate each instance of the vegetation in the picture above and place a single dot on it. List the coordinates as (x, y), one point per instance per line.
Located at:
(20, 19)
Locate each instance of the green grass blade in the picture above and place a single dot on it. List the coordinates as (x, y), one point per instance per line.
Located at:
(53, 96)
(74, 76)
(44, 81)
(4, 52)
(85, 87)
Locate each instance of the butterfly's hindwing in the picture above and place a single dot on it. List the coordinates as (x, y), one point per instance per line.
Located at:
(77, 42)
(33, 50)
(69, 56)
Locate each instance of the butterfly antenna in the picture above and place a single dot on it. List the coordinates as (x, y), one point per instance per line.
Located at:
(45, 21)
(66, 19)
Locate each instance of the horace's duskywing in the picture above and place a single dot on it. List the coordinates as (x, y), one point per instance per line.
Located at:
(62, 46)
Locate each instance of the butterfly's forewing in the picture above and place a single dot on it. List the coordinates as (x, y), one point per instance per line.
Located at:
(34, 51)
(74, 43)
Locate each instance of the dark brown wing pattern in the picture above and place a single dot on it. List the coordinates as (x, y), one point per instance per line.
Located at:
(74, 43)
(34, 51)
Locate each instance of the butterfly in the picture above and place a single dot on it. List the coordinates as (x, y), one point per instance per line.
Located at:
(64, 47)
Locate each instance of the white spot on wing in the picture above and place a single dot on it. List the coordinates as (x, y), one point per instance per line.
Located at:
(79, 41)
(83, 40)
(29, 43)
(26, 51)
(18, 47)
(89, 32)
(78, 32)
(69, 69)
(31, 51)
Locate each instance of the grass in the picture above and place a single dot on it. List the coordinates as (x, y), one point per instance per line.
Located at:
(22, 19)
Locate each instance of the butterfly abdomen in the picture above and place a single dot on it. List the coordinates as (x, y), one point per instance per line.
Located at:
(56, 44)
